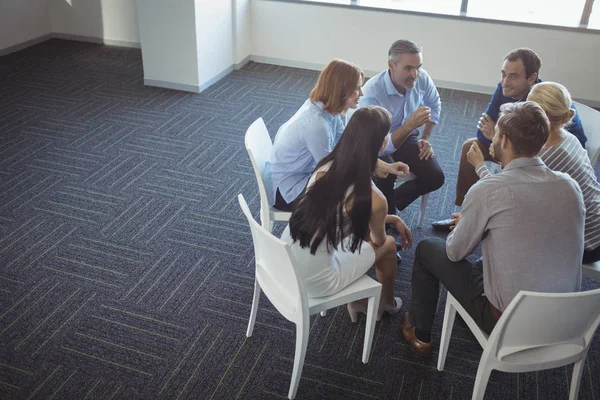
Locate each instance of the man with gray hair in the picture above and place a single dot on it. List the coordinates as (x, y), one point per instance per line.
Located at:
(409, 94)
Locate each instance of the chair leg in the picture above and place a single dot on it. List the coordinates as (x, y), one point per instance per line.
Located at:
(372, 309)
(254, 309)
(424, 200)
(481, 380)
(302, 330)
(449, 316)
(576, 378)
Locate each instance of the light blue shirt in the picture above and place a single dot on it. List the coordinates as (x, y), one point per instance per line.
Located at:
(300, 144)
(380, 91)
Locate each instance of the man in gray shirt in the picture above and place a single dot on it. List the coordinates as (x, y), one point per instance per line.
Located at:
(507, 213)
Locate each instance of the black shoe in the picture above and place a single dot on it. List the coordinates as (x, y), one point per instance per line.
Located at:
(443, 225)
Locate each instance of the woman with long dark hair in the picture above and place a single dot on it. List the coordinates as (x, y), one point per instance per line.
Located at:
(337, 228)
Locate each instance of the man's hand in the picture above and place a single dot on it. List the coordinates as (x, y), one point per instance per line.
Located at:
(381, 172)
(425, 149)
(397, 168)
(455, 221)
(404, 231)
(474, 155)
(486, 126)
(419, 117)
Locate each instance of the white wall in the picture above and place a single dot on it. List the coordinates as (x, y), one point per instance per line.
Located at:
(242, 31)
(168, 39)
(456, 53)
(214, 37)
(22, 21)
(110, 21)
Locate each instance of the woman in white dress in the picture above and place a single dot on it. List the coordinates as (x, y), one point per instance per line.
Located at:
(337, 228)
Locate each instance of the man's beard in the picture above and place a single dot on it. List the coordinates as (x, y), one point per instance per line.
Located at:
(495, 152)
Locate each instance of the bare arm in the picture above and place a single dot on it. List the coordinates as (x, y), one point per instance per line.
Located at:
(401, 133)
(378, 217)
(427, 130)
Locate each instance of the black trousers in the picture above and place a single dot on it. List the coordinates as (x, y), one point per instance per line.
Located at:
(281, 204)
(463, 279)
(591, 256)
(429, 175)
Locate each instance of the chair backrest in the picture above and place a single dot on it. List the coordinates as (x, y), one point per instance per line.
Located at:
(275, 270)
(258, 144)
(590, 119)
(546, 327)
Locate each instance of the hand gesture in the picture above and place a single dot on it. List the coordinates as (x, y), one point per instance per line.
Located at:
(404, 231)
(455, 221)
(419, 117)
(486, 126)
(474, 155)
(398, 168)
(425, 149)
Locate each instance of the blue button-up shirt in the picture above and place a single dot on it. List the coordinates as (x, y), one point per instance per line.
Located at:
(300, 144)
(498, 99)
(380, 91)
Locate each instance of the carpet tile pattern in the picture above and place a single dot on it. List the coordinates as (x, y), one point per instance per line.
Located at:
(126, 265)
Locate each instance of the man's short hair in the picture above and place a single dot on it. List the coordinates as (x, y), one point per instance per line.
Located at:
(400, 47)
(528, 57)
(526, 125)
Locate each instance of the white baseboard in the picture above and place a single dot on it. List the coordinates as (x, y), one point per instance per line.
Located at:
(25, 44)
(241, 64)
(94, 39)
(189, 88)
(172, 85)
(467, 87)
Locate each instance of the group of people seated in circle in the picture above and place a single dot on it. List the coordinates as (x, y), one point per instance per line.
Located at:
(334, 163)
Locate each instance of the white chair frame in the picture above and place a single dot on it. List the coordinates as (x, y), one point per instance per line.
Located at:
(259, 145)
(530, 335)
(277, 276)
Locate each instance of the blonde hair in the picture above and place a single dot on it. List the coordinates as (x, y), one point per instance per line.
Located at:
(336, 82)
(555, 100)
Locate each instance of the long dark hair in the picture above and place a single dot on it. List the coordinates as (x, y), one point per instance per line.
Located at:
(319, 212)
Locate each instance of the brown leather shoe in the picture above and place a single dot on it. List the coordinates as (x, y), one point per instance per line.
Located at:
(421, 349)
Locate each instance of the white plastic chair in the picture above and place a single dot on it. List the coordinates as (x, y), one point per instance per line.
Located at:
(590, 119)
(424, 199)
(591, 270)
(276, 275)
(258, 144)
(537, 331)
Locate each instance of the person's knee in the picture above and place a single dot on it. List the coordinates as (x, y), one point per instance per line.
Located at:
(433, 179)
(429, 246)
(437, 179)
(388, 249)
(389, 246)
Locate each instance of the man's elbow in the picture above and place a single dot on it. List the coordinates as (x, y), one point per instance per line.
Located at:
(452, 253)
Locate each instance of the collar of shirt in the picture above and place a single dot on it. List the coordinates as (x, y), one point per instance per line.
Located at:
(523, 162)
(320, 105)
(389, 86)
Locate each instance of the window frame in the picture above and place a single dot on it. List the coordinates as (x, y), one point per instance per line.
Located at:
(462, 14)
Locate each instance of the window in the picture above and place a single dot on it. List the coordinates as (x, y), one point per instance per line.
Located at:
(594, 22)
(547, 12)
(581, 14)
(449, 7)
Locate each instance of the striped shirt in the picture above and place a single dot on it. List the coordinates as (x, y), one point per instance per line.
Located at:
(569, 157)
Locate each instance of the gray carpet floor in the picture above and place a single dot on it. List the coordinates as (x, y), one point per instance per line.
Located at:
(126, 266)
